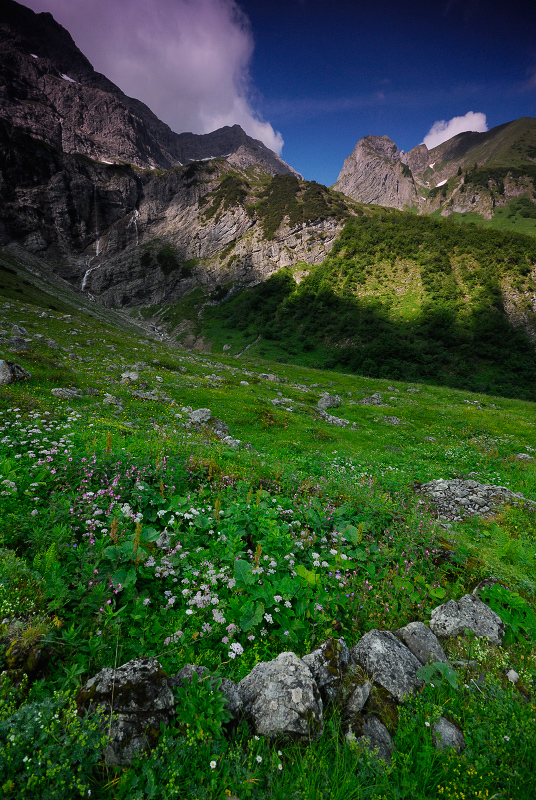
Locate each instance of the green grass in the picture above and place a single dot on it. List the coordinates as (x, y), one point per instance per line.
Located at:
(304, 482)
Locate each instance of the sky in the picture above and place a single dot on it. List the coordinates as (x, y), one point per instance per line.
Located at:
(311, 77)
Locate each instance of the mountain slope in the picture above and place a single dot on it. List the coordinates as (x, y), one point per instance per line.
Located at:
(472, 172)
(49, 89)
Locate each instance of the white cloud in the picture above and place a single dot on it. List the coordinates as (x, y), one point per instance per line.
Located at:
(443, 130)
(188, 60)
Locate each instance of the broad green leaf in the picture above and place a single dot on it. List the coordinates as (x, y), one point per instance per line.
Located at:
(353, 534)
(251, 615)
(308, 575)
(125, 577)
(243, 573)
(149, 535)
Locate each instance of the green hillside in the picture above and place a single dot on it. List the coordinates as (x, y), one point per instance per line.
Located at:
(400, 297)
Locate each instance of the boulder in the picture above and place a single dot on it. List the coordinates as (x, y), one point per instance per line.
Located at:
(422, 642)
(133, 700)
(445, 734)
(18, 330)
(373, 400)
(329, 401)
(388, 662)
(281, 698)
(66, 394)
(329, 664)
(200, 416)
(10, 372)
(375, 737)
(129, 377)
(356, 701)
(453, 618)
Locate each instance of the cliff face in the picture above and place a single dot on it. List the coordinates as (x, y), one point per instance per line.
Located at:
(375, 173)
(49, 90)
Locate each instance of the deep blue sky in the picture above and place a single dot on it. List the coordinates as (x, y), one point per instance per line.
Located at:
(331, 72)
(322, 73)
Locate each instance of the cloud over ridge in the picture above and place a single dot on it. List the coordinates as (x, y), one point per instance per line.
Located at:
(188, 60)
(443, 129)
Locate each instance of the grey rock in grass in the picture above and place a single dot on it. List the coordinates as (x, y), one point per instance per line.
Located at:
(129, 377)
(338, 421)
(18, 330)
(329, 664)
(392, 421)
(92, 392)
(10, 372)
(66, 394)
(111, 400)
(244, 383)
(220, 428)
(469, 613)
(389, 662)
(373, 400)
(512, 676)
(281, 699)
(523, 457)
(375, 737)
(52, 344)
(133, 700)
(200, 416)
(329, 401)
(16, 343)
(422, 642)
(445, 734)
(356, 701)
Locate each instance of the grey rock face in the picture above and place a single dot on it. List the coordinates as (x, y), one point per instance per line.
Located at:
(374, 173)
(281, 698)
(445, 734)
(18, 330)
(452, 618)
(66, 394)
(388, 662)
(329, 664)
(329, 401)
(129, 377)
(10, 372)
(422, 642)
(457, 498)
(200, 416)
(138, 695)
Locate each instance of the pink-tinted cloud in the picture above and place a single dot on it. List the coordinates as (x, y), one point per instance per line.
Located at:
(188, 60)
(442, 130)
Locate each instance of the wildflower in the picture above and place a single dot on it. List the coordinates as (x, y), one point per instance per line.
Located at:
(212, 765)
(427, 724)
(506, 738)
(146, 601)
(259, 759)
(280, 767)
(277, 598)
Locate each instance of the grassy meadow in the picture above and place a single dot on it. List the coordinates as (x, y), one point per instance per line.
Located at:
(314, 531)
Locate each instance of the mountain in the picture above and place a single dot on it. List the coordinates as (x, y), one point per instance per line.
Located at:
(472, 172)
(49, 90)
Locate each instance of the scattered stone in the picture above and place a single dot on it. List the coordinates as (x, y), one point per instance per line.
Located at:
(412, 390)
(422, 642)
(394, 449)
(329, 401)
(268, 376)
(244, 383)
(453, 618)
(17, 344)
(10, 372)
(226, 347)
(373, 400)
(200, 416)
(52, 344)
(429, 439)
(329, 664)
(111, 400)
(281, 698)
(18, 330)
(92, 392)
(220, 428)
(458, 498)
(392, 421)
(389, 662)
(445, 734)
(129, 377)
(66, 394)
(512, 676)
(523, 457)
(133, 700)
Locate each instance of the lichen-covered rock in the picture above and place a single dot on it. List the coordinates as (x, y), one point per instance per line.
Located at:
(329, 401)
(388, 662)
(329, 664)
(66, 394)
(453, 618)
(133, 700)
(422, 642)
(281, 698)
(356, 701)
(200, 415)
(374, 400)
(10, 372)
(445, 734)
